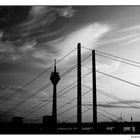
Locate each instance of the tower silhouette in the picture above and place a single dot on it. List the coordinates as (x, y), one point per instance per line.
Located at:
(79, 88)
(55, 77)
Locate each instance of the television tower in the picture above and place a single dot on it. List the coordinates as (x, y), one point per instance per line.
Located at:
(55, 77)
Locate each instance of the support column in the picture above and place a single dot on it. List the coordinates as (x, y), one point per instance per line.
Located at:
(94, 89)
(79, 99)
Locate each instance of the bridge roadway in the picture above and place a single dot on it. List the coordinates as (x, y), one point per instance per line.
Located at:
(100, 124)
(84, 125)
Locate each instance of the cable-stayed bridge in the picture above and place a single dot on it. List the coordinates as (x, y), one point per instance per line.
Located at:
(76, 95)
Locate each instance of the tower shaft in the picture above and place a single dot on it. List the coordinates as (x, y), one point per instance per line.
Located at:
(94, 88)
(54, 106)
(79, 94)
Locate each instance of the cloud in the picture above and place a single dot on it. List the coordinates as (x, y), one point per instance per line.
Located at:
(88, 36)
(38, 11)
(28, 39)
(66, 12)
(119, 39)
(127, 101)
(37, 24)
(113, 106)
(10, 53)
(119, 104)
(128, 29)
(1, 34)
(7, 91)
(134, 40)
(41, 10)
(108, 68)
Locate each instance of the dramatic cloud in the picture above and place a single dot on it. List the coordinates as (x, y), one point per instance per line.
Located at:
(38, 23)
(88, 36)
(26, 40)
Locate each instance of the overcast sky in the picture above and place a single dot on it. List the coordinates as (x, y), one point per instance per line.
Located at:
(32, 37)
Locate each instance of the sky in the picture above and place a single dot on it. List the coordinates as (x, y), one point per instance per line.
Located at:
(31, 37)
